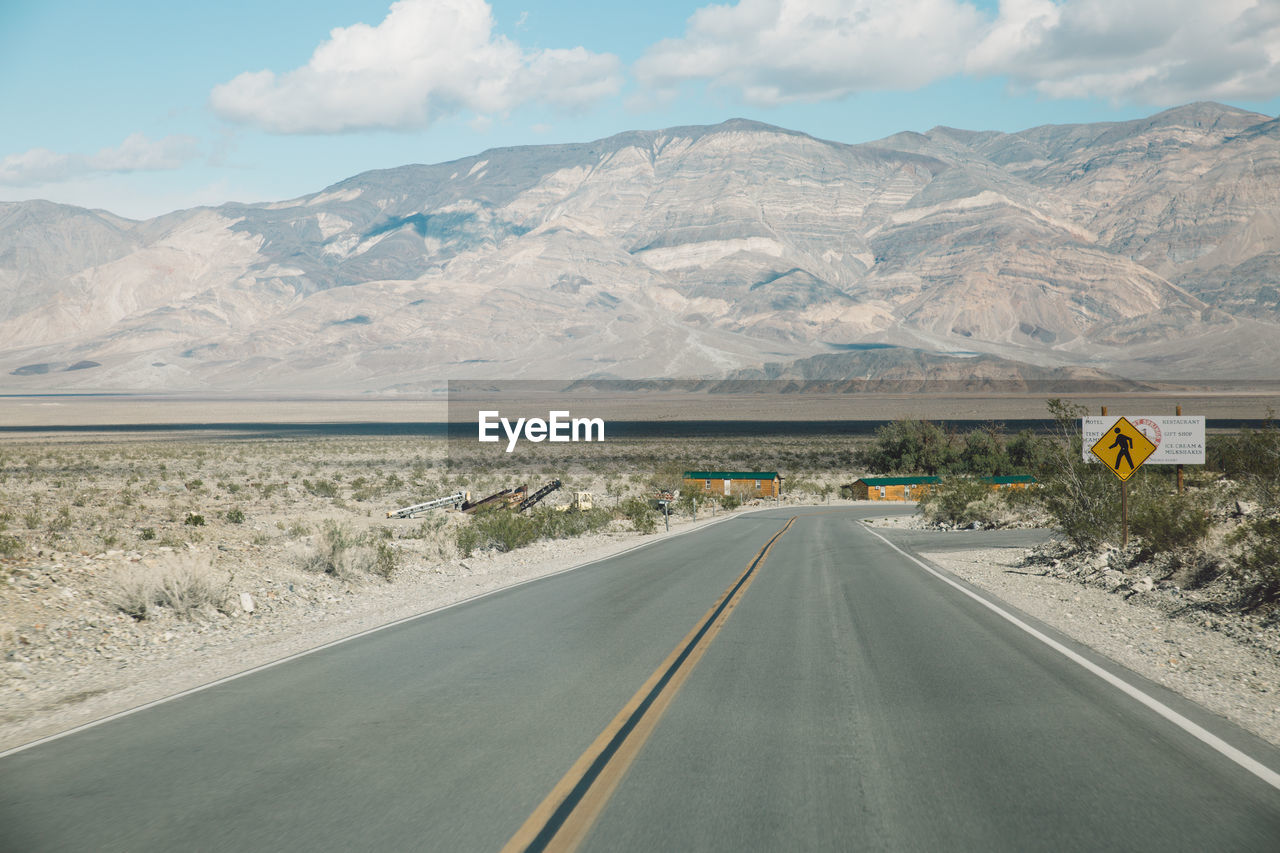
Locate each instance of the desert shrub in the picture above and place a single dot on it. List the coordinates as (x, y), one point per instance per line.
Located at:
(61, 521)
(1080, 499)
(468, 539)
(909, 446)
(183, 583)
(1257, 561)
(386, 560)
(729, 502)
(1251, 458)
(147, 533)
(235, 515)
(1165, 521)
(499, 529)
(667, 477)
(566, 524)
(340, 553)
(194, 520)
(958, 501)
(321, 488)
(10, 546)
(640, 514)
(507, 531)
(983, 454)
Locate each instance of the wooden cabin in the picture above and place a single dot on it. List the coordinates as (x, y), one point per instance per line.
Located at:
(744, 484)
(889, 488)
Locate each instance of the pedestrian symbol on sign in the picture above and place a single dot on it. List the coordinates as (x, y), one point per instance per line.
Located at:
(1124, 443)
(1127, 449)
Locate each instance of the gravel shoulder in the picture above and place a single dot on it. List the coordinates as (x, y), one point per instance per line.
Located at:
(1229, 664)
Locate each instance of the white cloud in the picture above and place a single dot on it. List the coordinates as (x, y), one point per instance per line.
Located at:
(779, 51)
(1148, 51)
(1151, 51)
(136, 154)
(37, 166)
(427, 59)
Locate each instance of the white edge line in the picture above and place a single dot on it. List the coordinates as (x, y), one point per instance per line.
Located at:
(189, 691)
(1205, 736)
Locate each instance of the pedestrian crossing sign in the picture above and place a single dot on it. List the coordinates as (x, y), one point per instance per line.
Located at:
(1123, 448)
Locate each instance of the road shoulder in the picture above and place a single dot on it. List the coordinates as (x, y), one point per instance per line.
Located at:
(1231, 678)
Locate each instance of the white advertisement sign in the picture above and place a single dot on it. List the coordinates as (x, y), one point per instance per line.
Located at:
(1179, 439)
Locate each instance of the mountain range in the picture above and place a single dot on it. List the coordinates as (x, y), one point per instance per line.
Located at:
(1146, 249)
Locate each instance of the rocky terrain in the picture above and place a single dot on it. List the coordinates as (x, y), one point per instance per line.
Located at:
(1146, 249)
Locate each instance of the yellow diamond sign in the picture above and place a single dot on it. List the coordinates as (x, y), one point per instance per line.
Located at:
(1123, 448)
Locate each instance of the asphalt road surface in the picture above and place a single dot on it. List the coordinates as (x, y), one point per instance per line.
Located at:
(750, 686)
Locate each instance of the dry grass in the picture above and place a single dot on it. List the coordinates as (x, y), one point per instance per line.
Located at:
(184, 584)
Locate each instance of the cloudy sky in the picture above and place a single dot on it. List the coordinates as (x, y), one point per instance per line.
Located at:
(142, 106)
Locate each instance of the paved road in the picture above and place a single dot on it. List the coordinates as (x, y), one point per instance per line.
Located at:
(842, 698)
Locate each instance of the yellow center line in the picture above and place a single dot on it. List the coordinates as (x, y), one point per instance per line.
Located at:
(562, 820)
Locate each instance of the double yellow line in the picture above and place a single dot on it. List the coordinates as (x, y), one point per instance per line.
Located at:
(562, 820)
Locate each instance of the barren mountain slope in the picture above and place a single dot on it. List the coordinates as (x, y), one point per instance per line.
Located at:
(687, 251)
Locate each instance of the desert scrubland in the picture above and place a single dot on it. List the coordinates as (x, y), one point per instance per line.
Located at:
(136, 565)
(133, 566)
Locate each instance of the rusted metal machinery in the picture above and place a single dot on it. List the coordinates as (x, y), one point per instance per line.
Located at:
(494, 500)
(456, 499)
(538, 495)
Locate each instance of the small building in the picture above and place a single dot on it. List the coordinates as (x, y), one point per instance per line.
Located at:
(1016, 481)
(744, 484)
(889, 488)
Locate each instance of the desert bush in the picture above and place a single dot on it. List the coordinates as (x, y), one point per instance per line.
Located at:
(340, 553)
(386, 560)
(321, 488)
(909, 446)
(147, 533)
(1257, 561)
(983, 454)
(507, 531)
(10, 546)
(728, 502)
(640, 514)
(958, 501)
(468, 539)
(1079, 498)
(61, 521)
(1167, 522)
(194, 520)
(502, 530)
(183, 583)
(235, 515)
(1256, 463)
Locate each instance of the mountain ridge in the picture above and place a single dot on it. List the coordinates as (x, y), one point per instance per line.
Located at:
(1133, 248)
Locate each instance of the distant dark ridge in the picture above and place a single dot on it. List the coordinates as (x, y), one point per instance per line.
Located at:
(615, 429)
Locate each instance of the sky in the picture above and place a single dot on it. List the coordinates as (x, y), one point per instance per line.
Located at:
(142, 107)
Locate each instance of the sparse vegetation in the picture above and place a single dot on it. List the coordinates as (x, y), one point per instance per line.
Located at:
(340, 553)
(10, 545)
(184, 584)
(642, 517)
(1079, 498)
(960, 502)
